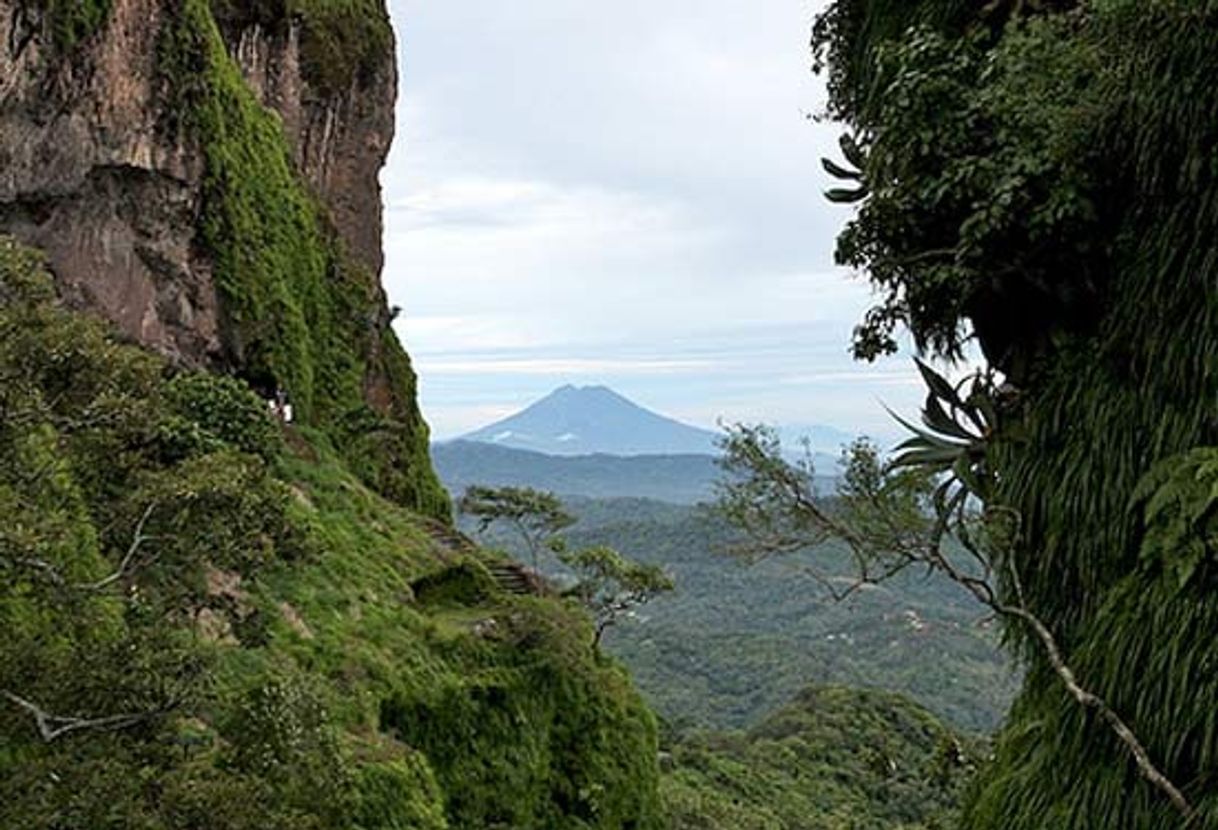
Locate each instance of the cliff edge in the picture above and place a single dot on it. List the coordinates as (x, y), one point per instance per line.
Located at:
(204, 176)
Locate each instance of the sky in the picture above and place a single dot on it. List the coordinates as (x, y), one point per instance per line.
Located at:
(627, 194)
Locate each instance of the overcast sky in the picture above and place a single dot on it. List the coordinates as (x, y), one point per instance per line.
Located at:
(624, 193)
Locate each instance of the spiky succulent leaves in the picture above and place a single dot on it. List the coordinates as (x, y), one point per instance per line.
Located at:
(953, 439)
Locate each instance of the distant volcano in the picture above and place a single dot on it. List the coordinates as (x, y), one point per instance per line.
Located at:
(594, 419)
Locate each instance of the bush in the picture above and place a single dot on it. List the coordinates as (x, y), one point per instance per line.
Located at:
(207, 409)
(400, 794)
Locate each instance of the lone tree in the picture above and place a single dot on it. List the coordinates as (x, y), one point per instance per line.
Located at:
(536, 516)
(611, 586)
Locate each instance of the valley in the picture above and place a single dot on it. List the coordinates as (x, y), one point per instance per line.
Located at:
(736, 641)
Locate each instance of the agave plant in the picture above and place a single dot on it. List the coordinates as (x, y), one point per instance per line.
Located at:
(957, 421)
(855, 157)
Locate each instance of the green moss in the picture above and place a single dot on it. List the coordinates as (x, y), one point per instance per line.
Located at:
(466, 583)
(266, 626)
(399, 794)
(342, 42)
(70, 22)
(297, 310)
(557, 737)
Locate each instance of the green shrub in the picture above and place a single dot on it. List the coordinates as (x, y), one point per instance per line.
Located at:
(280, 731)
(209, 410)
(466, 583)
(400, 794)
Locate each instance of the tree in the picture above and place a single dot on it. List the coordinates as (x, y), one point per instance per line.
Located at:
(924, 509)
(536, 516)
(611, 586)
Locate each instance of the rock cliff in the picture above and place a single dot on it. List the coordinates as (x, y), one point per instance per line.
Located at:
(204, 176)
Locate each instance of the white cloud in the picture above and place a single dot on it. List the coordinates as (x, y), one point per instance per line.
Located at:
(625, 193)
(550, 367)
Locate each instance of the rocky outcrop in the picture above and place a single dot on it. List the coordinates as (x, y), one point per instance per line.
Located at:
(203, 174)
(86, 176)
(340, 140)
(89, 175)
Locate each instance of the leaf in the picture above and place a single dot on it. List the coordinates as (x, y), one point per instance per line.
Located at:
(938, 420)
(940, 459)
(839, 172)
(851, 150)
(843, 196)
(964, 471)
(938, 385)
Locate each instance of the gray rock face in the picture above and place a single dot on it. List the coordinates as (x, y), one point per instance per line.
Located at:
(340, 142)
(85, 177)
(88, 176)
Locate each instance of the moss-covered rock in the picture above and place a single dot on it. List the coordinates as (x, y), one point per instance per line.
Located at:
(243, 624)
(299, 313)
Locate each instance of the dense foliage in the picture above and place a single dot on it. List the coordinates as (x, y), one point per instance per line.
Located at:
(207, 626)
(733, 642)
(833, 759)
(1042, 175)
(300, 314)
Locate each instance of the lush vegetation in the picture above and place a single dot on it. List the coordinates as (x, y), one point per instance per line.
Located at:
(69, 22)
(736, 641)
(834, 759)
(210, 624)
(300, 314)
(1041, 175)
(342, 42)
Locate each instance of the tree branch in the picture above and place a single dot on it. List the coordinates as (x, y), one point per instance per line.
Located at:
(137, 540)
(785, 495)
(52, 727)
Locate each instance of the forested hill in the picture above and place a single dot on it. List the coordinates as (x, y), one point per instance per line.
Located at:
(214, 617)
(211, 622)
(735, 642)
(834, 759)
(1039, 178)
(680, 479)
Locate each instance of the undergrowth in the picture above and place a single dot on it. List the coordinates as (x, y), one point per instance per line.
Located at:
(171, 557)
(298, 313)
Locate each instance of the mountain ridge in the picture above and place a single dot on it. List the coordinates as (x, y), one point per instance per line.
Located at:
(587, 420)
(597, 420)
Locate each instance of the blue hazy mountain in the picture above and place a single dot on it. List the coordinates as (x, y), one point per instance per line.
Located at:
(682, 479)
(586, 420)
(590, 441)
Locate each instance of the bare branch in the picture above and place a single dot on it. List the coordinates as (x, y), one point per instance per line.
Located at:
(884, 539)
(1087, 699)
(137, 540)
(52, 727)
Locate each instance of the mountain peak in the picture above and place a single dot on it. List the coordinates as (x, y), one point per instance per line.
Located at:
(585, 420)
